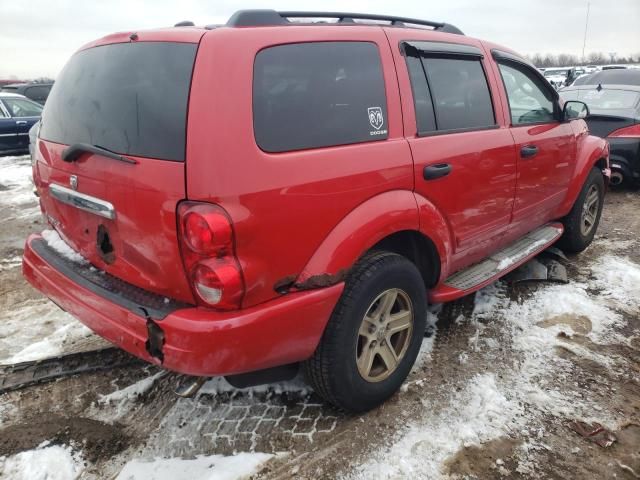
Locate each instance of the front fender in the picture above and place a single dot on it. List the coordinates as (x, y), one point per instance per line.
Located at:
(589, 150)
(361, 229)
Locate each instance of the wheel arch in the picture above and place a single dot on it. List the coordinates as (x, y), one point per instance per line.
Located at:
(392, 221)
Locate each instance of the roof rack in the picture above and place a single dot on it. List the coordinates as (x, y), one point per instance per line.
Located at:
(256, 18)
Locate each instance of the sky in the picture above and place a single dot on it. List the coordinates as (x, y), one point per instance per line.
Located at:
(38, 36)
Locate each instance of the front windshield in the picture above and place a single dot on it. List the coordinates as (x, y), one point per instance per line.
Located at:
(604, 99)
(553, 73)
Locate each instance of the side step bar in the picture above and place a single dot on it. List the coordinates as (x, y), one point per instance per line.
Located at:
(500, 263)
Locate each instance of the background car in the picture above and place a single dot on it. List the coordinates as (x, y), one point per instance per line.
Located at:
(38, 92)
(614, 115)
(17, 115)
(611, 77)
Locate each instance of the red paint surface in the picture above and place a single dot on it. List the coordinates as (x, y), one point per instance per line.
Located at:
(304, 213)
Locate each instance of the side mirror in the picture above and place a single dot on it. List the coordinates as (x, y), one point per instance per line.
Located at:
(574, 109)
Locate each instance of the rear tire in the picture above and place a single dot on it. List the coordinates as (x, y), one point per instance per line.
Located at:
(373, 336)
(581, 224)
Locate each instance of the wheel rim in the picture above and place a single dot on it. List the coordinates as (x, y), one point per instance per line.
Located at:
(384, 335)
(590, 210)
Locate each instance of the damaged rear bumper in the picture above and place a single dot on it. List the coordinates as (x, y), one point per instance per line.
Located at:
(183, 338)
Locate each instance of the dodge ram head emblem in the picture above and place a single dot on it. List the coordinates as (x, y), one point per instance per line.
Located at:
(375, 117)
(73, 182)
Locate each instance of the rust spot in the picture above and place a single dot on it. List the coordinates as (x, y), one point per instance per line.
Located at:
(283, 285)
(322, 280)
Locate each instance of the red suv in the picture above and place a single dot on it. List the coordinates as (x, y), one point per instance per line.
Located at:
(272, 193)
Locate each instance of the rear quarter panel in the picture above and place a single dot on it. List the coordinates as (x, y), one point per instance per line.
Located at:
(283, 205)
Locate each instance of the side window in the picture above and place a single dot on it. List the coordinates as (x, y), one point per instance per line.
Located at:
(319, 94)
(20, 107)
(425, 115)
(450, 93)
(2, 114)
(529, 100)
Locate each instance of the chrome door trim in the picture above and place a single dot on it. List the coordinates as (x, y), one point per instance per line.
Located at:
(83, 202)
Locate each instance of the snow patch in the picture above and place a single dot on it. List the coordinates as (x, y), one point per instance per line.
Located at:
(479, 413)
(43, 463)
(214, 467)
(56, 242)
(53, 345)
(218, 386)
(122, 399)
(619, 278)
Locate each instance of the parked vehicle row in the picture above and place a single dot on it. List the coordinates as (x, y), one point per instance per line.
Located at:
(17, 115)
(36, 91)
(267, 193)
(613, 97)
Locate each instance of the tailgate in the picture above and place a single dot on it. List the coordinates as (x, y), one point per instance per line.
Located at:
(115, 102)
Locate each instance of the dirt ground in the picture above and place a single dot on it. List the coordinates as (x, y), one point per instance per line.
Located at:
(490, 397)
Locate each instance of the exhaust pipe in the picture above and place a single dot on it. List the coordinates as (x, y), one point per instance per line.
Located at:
(616, 178)
(190, 386)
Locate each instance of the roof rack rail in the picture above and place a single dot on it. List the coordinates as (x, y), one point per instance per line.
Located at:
(255, 18)
(185, 23)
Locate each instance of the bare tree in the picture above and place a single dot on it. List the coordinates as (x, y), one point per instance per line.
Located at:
(597, 58)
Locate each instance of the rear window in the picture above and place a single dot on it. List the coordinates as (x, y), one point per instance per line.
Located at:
(310, 95)
(603, 99)
(130, 98)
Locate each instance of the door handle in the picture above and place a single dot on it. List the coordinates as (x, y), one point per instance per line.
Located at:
(528, 151)
(436, 171)
(21, 122)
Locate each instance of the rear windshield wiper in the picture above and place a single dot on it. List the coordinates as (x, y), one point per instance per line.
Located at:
(73, 152)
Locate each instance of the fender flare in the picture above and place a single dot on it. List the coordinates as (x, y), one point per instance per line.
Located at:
(365, 226)
(598, 149)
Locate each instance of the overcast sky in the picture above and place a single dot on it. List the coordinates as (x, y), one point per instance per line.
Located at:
(38, 36)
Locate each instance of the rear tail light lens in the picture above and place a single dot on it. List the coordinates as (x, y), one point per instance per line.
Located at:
(632, 131)
(206, 241)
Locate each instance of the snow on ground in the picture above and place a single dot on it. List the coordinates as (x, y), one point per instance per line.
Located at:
(37, 329)
(214, 467)
(16, 186)
(122, 401)
(528, 389)
(43, 463)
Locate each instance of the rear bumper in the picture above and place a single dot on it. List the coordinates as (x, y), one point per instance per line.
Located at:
(196, 341)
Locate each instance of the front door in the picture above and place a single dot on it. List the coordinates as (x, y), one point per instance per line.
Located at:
(25, 114)
(545, 146)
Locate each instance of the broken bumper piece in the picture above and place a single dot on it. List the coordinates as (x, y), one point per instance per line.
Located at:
(181, 337)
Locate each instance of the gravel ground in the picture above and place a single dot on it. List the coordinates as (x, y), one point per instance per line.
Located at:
(496, 393)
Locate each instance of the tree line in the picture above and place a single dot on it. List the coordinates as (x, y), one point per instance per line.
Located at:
(567, 59)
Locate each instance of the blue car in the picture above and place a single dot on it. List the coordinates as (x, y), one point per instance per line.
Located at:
(17, 115)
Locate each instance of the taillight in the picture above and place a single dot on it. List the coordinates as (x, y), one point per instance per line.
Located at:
(632, 131)
(208, 253)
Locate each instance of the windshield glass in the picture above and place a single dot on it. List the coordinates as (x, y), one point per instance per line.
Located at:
(604, 99)
(553, 73)
(130, 98)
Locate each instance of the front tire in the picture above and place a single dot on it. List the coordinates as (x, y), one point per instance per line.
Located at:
(581, 224)
(373, 336)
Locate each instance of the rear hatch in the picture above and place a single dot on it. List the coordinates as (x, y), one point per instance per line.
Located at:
(112, 196)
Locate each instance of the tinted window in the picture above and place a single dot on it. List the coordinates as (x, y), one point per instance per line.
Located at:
(130, 98)
(530, 101)
(460, 93)
(425, 116)
(310, 95)
(20, 107)
(39, 92)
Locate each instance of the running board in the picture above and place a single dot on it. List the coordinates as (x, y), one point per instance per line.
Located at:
(500, 263)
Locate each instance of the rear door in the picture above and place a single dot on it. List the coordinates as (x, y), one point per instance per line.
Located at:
(546, 147)
(130, 99)
(464, 162)
(8, 130)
